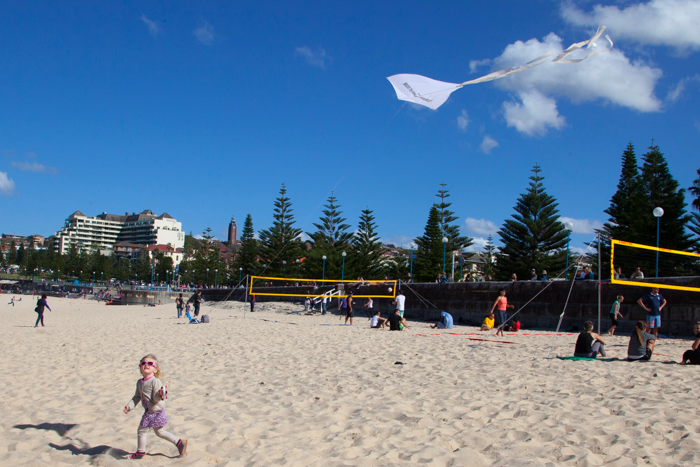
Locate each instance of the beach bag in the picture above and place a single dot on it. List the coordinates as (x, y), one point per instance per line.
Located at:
(205, 318)
(36, 310)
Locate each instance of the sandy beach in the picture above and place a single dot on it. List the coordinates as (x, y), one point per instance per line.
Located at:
(279, 387)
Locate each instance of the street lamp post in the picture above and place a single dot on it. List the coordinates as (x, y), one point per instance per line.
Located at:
(413, 246)
(297, 261)
(216, 277)
(58, 276)
(342, 274)
(658, 212)
(284, 266)
(151, 274)
(81, 277)
(324, 271)
(444, 251)
(102, 273)
(240, 272)
(93, 278)
(569, 227)
(207, 277)
(193, 278)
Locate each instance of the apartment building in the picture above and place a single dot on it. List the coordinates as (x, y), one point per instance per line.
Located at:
(105, 230)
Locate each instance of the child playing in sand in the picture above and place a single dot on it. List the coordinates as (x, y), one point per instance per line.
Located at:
(151, 392)
(614, 313)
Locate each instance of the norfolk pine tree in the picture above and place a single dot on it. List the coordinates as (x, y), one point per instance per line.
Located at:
(247, 256)
(365, 255)
(534, 238)
(660, 189)
(281, 242)
(330, 239)
(695, 204)
(430, 250)
(449, 230)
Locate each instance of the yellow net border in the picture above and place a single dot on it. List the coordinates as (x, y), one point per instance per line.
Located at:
(388, 282)
(647, 283)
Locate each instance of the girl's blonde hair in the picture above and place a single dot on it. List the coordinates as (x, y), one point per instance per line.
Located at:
(159, 373)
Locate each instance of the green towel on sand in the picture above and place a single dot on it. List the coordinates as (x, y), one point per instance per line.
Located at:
(586, 359)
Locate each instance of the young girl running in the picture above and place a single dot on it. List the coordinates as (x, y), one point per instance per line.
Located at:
(151, 392)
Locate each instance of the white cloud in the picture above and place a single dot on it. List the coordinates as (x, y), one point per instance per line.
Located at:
(659, 22)
(315, 58)
(34, 167)
(153, 28)
(488, 144)
(7, 185)
(534, 114)
(478, 245)
(480, 227)
(582, 226)
(608, 76)
(204, 33)
(679, 88)
(476, 64)
(463, 120)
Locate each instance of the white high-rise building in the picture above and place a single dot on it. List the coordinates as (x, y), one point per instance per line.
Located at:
(105, 230)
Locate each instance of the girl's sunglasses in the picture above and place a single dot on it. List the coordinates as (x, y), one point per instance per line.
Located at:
(148, 363)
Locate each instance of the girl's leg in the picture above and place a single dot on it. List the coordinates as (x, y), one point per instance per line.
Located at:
(598, 348)
(161, 433)
(142, 432)
(39, 318)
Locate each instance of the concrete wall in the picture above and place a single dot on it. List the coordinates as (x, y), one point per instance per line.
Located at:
(471, 301)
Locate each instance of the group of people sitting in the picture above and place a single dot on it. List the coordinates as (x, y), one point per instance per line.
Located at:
(640, 348)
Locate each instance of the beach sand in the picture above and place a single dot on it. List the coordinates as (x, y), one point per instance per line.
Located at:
(282, 388)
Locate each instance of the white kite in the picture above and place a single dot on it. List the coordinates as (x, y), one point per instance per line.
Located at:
(432, 93)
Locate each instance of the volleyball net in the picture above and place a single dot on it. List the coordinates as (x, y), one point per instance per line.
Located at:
(630, 262)
(295, 287)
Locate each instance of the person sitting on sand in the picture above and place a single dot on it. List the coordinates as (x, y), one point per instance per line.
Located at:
(489, 322)
(445, 321)
(589, 344)
(377, 321)
(515, 326)
(641, 346)
(397, 322)
(692, 357)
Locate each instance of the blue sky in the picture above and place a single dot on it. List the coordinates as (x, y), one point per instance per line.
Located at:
(203, 109)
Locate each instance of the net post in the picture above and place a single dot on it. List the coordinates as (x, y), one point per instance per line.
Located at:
(600, 283)
(247, 276)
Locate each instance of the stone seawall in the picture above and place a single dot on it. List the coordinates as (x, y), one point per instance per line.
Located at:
(471, 301)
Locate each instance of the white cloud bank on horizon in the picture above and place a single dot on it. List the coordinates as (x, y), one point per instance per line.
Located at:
(315, 58)
(153, 28)
(480, 227)
(7, 185)
(673, 23)
(582, 226)
(608, 77)
(34, 167)
(204, 33)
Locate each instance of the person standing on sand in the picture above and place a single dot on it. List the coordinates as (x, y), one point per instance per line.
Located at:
(197, 300)
(252, 303)
(179, 303)
(614, 313)
(653, 304)
(40, 305)
(502, 304)
(400, 302)
(348, 316)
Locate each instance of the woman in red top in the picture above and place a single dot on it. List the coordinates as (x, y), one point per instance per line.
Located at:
(502, 304)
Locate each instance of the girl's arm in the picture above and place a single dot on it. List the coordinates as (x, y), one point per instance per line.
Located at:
(134, 400)
(696, 344)
(47, 305)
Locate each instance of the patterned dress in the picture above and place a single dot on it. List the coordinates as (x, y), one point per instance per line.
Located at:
(155, 419)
